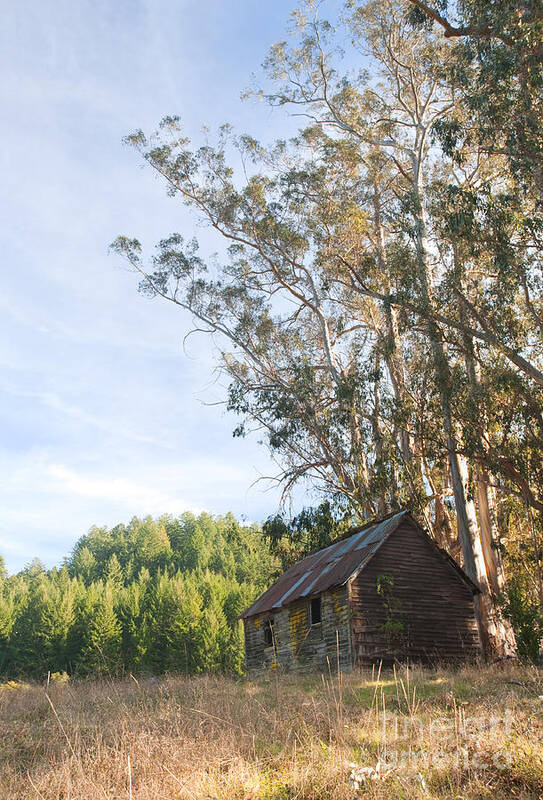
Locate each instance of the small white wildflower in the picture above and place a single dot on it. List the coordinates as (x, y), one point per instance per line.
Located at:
(422, 782)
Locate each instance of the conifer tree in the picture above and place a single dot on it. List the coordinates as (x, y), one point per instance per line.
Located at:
(131, 609)
(99, 645)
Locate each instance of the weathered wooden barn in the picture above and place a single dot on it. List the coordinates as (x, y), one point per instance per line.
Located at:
(385, 592)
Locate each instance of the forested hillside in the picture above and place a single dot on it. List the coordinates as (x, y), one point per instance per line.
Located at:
(155, 595)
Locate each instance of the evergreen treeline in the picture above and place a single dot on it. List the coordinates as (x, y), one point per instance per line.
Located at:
(153, 595)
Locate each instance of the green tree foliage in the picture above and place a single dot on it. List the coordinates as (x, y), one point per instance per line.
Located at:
(132, 613)
(527, 619)
(151, 596)
(308, 531)
(97, 633)
(497, 67)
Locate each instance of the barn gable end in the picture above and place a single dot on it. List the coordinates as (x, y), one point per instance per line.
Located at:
(411, 602)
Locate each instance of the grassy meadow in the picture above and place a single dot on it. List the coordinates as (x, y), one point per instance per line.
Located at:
(413, 733)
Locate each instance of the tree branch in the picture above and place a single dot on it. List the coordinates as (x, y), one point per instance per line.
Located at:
(485, 32)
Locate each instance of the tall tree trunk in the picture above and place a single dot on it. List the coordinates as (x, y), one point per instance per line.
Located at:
(486, 513)
(474, 564)
(496, 633)
(442, 526)
(394, 360)
(393, 355)
(485, 507)
(377, 435)
(361, 481)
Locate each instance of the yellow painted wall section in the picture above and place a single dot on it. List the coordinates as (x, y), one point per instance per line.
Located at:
(298, 625)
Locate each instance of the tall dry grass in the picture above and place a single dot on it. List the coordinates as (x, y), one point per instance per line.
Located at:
(475, 733)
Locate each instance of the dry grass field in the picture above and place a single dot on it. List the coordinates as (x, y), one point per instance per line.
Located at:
(475, 733)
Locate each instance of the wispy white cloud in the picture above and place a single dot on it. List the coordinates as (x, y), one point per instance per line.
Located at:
(107, 424)
(121, 491)
(46, 504)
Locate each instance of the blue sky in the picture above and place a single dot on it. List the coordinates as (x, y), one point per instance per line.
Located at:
(103, 414)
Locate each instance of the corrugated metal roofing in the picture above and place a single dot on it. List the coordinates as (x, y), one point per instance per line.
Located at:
(332, 566)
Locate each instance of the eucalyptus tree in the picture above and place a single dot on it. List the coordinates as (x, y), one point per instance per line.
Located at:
(301, 353)
(496, 71)
(396, 113)
(347, 306)
(494, 306)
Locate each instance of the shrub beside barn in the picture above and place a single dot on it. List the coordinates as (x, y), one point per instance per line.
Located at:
(383, 593)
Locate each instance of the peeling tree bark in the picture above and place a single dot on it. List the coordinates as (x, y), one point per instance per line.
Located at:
(488, 527)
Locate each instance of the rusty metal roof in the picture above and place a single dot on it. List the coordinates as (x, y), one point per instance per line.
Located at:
(332, 566)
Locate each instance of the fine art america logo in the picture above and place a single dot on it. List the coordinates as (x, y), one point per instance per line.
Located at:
(464, 745)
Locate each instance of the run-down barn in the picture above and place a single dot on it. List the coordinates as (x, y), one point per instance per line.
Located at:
(384, 592)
